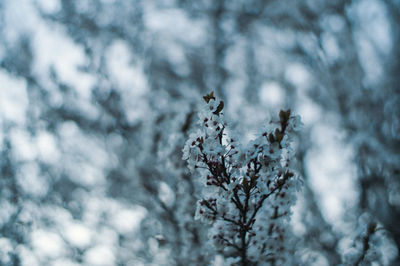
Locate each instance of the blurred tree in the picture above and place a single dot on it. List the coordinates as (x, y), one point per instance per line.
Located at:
(98, 97)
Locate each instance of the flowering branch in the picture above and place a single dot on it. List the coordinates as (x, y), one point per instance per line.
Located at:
(248, 191)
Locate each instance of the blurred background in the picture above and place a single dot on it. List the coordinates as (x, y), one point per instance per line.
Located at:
(97, 98)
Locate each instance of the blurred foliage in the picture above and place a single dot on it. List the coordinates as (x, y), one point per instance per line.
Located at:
(98, 97)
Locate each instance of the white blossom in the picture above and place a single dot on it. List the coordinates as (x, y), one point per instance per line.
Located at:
(248, 192)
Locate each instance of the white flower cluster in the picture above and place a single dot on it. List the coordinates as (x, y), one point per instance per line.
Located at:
(248, 191)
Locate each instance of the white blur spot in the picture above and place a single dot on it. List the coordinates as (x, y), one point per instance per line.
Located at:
(6, 210)
(65, 262)
(77, 234)
(313, 258)
(100, 256)
(184, 29)
(330, 47)
(331, 171)
(310, 112)
(47, 244)
(176, 56)
(13, 98)
(54, 48)
(47, 148)
(127, 72)
(219, 261)
(49, 6)
(68, 130)
(373, 37)
(87, 174)
(370, 60)
(23, 146)
(27, 255)
(298, 75)
(5, 251)
(297, 215)
(31, 181)
(127, 220)
(374, 22)
(166, 194)
(272, 94)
